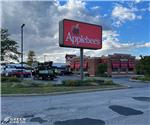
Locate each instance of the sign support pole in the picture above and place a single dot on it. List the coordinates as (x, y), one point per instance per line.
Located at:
(81, 63)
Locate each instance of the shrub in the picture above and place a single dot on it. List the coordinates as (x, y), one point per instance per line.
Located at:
(71, 83)
(108, 82)
(32, 84)
(101, 69)
(27, 84)
(10, 79)
(19, 85)
(14, 79)
(143, 66)
(99, 81)
(4, 79)
(90, 82)
(145, 78)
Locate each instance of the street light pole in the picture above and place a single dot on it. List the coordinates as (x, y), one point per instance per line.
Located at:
(45, 58)
(22, 49)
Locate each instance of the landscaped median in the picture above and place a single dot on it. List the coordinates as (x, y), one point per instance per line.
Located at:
(141, 78)
(16, 87)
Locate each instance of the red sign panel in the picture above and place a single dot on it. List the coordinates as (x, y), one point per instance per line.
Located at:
(80, 35)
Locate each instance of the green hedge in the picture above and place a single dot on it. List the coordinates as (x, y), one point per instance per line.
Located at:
(143, 78)
(10, 79)
(91, 82)
(108, 82)
(75, 83)
(25, 84)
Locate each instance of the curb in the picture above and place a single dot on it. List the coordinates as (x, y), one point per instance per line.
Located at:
(62, 93)
(134, 80)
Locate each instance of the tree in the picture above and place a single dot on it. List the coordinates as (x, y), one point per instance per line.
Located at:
(31, 57)
(8, 47)
(101, 69)
(143, 65)
(139, 68)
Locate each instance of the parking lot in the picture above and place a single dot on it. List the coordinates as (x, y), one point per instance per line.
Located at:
(113, 107)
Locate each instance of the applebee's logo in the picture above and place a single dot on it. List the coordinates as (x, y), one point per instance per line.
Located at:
(75, 38)
(75, 29)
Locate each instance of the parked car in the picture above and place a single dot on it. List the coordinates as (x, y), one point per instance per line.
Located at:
(19, 73)
(9, 70)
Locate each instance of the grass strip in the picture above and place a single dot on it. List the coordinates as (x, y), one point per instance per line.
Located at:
(49, 89)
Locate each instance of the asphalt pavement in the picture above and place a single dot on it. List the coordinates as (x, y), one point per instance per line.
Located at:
(114, 107)
(126, 81)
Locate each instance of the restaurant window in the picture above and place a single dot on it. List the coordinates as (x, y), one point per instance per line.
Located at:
(115, 69)
(123, 69)
(130, 69)
(85, 69)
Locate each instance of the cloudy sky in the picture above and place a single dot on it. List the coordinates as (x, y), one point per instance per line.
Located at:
(126, 27)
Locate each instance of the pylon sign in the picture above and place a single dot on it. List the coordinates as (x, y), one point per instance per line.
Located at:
(77, 34)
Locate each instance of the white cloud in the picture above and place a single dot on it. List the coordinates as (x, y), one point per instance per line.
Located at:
(41, 27)
(147, 44)
(111, 44)
(122, 14)
(137, 1)
(95, 7)
(105, 15)
(41, 24)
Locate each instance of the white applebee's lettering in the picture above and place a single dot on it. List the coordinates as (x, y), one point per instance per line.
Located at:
(69, 37)
(81, 39)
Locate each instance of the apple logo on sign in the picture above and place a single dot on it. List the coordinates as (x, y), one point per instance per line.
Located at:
(76, 29)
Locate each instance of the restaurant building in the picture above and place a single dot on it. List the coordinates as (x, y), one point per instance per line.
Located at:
(117, 64)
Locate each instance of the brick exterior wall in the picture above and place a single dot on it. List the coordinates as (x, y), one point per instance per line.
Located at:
(117, 64)
(92, 66)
